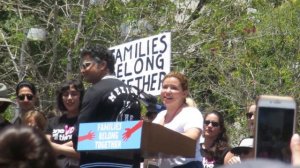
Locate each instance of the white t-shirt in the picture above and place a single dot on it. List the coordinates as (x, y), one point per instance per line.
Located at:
(188, 117)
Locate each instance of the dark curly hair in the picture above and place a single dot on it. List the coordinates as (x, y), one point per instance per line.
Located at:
(100, 53)
(25, 147)
(78, 85)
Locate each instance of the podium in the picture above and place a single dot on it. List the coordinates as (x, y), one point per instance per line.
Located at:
(134, 139)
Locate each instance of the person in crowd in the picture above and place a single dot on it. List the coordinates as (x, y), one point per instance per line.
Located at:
(249, 152)
(4, 104)
(60, 128)
(108, 99)
(179, 117)
(24, 147)
(35, 118)
(26, 99)
(215, 148)
(244, 150)
(253, 163)
(250, 119)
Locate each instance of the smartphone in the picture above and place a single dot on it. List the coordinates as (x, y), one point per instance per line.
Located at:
(275, 124)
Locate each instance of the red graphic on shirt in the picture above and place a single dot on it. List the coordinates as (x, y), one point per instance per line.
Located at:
(129, 131)
(89, 136)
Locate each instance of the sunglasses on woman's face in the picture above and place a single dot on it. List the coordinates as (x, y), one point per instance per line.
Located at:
(22, 97)
(249, 115)
(213, 123)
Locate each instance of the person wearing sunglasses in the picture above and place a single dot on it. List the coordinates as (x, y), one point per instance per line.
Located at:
(215, 148)
(105, 101)
(263, 162)
(27, 100)
(237, 158)
(179, 117)
(250, 119)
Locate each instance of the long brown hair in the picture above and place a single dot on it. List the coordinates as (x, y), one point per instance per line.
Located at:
(220, 145)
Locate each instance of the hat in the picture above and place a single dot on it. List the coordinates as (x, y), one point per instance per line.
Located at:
(3, 94)
(246, 143)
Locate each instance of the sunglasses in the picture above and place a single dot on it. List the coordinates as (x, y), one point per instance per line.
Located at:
(213, 123)
(86, 65)
(249, 115)
(22, 97)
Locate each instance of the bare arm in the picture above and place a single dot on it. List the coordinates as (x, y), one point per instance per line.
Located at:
(193, 133)
(64, 149)
(231, 159)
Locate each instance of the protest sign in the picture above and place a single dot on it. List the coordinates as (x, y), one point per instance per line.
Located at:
(144, 62)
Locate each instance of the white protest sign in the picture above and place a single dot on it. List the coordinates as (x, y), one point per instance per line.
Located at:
(144, 62)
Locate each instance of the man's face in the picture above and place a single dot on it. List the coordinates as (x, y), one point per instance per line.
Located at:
(26, 99)
(91, 70)
(250, 119)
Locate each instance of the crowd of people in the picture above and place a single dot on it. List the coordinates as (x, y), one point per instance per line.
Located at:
(31, 139)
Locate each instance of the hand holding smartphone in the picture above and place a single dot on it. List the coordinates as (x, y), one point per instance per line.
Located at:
(275, 124)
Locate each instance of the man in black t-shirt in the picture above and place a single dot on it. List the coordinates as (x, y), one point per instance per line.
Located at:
(108, 99)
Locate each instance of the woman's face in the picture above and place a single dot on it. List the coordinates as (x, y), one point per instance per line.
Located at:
(212, 126)
(71, 99)
(172, 92)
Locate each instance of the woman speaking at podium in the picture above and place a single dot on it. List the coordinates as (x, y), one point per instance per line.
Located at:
(179, 117)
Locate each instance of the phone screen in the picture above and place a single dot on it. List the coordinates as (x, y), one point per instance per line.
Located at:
(274, 132)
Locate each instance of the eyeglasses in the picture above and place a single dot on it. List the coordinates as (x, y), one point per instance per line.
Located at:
(22, 97)
(249, 115)
(213, 123)
(85, 65)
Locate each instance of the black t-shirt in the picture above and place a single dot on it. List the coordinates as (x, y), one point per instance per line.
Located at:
(61, 128)
(108, 100)
(212, 159)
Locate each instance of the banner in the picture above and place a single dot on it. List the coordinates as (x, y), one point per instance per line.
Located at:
(109, 135)
(144, 62)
